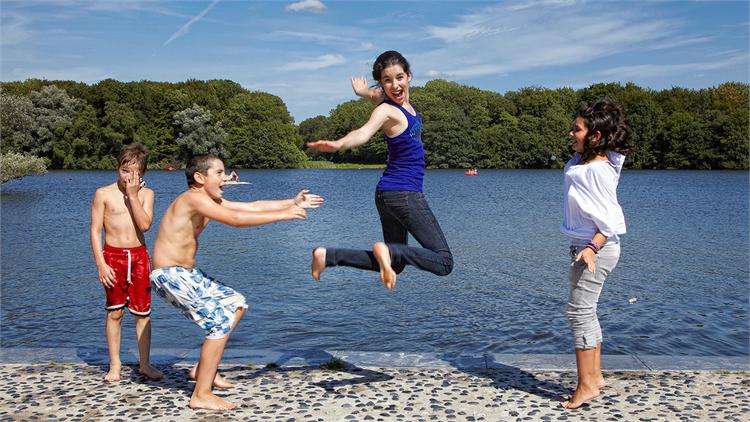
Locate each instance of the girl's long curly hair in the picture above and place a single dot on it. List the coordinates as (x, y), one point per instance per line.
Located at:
(607, 117)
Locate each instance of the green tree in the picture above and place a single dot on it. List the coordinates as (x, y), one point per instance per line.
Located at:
(196, 133)
(688, 141)
(261, 133)
(16, 122)
(54, 111)
(15, 166)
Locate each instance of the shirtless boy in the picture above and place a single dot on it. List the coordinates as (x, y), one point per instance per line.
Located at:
(212, 305)
(125, 209)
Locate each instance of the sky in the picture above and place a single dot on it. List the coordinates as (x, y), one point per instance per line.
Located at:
(306, 51)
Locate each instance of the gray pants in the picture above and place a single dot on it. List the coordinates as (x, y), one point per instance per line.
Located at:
(585, 288)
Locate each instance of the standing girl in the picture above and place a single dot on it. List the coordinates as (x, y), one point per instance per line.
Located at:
(399, 199)
(593, 220)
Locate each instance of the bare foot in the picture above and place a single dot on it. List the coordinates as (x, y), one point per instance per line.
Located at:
(210, 402)
(600, 383)
(150, 372)
(383, 256)
(219, 382)
(114, 373)
(318, 264)
(579, 397)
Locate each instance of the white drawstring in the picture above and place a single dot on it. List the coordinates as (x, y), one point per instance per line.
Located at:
(129, 264)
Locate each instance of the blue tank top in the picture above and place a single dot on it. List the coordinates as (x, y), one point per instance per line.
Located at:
(405, 167)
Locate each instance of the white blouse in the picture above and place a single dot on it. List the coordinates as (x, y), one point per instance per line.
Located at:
(591, 198)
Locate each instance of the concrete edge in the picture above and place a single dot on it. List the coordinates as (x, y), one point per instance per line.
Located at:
(297, 358)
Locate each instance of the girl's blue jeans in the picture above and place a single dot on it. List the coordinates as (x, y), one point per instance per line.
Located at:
(402, 213)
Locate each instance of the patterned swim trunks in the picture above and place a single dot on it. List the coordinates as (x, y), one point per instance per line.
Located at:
(199, 297)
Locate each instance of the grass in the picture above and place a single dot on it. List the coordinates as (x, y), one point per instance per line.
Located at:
(332, 165)
(725, 372)
(333, 365)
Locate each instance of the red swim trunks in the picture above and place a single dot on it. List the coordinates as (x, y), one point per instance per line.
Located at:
(132, 285)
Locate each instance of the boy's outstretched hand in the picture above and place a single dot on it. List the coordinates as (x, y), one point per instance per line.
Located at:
(295, 212)
(304, 199)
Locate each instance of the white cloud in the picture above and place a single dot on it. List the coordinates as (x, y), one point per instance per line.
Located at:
(184, 29)
(311, 36)
(660, 70)
(500, 40)
(470, 27)
(306, 5)
(15, 29)
(82, 74)
(673, 43)
(315, 63)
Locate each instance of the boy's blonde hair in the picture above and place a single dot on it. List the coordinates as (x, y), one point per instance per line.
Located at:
(134, 152)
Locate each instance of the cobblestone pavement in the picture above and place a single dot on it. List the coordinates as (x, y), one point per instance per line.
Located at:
(75, 392)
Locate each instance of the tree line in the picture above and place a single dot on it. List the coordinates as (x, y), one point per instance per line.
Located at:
(74, 125)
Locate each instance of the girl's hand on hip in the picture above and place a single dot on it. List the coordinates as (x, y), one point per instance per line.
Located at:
(589, 257)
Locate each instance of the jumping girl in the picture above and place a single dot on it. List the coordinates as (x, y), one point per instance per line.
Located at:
(593, 220)
(399, 199)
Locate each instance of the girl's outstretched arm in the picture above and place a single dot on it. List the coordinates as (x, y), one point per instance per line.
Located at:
(360, 87)
(356, 137)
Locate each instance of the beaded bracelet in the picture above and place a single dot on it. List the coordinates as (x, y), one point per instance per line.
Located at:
(594, 247)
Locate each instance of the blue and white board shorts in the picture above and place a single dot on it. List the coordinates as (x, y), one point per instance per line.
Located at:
(201, 298)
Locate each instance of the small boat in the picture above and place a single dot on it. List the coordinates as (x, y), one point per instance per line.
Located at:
(236, 182)
(471, 172)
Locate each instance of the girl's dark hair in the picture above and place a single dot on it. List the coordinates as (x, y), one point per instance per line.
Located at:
(605, 116)
(389, 58)
(200, 164)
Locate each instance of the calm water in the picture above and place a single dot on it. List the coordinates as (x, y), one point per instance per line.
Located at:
(685, 259)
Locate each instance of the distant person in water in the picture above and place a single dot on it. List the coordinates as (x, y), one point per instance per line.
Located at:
(399, 199)
(234, 177)
(212, 305)
(593, 220)
(124, 210)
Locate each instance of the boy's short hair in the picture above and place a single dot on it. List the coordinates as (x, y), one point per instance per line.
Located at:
(198, 164)
(131, 153)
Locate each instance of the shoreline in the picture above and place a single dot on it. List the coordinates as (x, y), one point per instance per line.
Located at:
(295, 358)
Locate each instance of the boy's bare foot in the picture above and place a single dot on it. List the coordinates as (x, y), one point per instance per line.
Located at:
(150, 372)
(383, 256)
(219, 382)
(114, 373)
(318, 264)
(210, 402)
(579, 397)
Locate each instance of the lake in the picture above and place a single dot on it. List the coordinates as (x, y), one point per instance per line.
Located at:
(684, 261)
